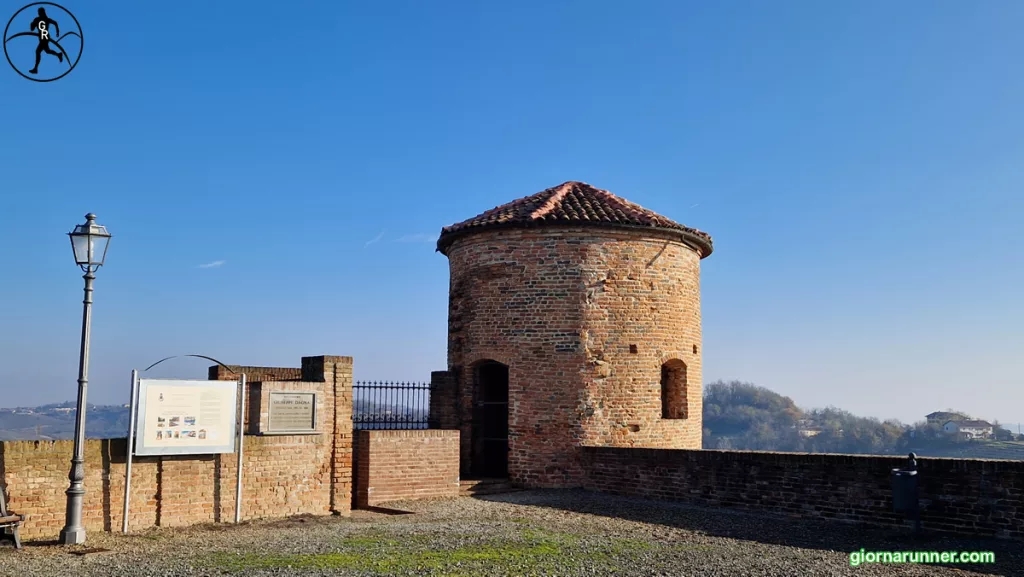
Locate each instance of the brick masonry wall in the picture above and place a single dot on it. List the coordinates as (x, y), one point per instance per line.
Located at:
(336, 372)
(282, 475)
(584, 318)
(252, 374)
(405, 465)
(443, 400)
(975, 497)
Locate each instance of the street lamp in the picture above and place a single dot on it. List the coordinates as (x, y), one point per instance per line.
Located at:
(89, 242)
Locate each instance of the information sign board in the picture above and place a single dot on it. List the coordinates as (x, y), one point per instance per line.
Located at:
(180, 417)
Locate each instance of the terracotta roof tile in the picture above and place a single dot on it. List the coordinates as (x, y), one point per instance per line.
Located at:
(575, 203)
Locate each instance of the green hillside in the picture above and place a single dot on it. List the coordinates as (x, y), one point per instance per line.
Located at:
(744, 416)
(57, 422)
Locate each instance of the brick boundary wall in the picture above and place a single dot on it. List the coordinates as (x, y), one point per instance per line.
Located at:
(283, 475)
(976, 497)
(406, 465)
(232, 372)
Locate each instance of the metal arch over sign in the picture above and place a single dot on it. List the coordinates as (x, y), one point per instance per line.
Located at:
(180, 417)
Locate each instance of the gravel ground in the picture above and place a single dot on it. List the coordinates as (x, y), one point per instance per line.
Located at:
(528, 533)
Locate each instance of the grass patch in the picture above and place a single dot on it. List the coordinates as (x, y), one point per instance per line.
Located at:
(529, 551)
(625, 545)
(369, 541)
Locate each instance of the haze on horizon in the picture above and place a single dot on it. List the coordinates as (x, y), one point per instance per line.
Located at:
(858, 166)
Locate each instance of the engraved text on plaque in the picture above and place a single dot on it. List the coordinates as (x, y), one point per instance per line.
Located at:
(292, 412)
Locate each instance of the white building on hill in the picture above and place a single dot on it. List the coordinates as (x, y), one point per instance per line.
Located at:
(969, 429)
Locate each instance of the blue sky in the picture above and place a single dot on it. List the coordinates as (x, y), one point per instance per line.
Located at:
(858, 165)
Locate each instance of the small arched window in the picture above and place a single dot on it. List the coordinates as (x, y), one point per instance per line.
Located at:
(673, 390)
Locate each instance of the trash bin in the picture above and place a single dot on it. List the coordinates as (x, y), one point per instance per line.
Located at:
(904, 491)
(904, 488)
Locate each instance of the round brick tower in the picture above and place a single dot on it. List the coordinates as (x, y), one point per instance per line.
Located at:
(574, 319)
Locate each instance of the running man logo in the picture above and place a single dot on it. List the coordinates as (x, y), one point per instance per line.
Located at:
(66, 48)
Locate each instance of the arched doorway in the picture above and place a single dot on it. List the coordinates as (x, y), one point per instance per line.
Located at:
(490, 420)
(673, 390)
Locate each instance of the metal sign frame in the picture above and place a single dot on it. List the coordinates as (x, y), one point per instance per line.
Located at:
(226, 445)
(238, 427)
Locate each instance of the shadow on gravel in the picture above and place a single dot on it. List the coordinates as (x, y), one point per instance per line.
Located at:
(385, 510)
(38, 544)
(773, 530)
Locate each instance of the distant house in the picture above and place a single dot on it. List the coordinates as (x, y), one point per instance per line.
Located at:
(969, 429)
(809, 431)
(940, 417)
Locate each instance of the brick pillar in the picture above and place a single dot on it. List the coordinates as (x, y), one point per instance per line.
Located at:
(336, 372)
(443, 400)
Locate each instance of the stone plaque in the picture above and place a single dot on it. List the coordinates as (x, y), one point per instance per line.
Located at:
(292, 412)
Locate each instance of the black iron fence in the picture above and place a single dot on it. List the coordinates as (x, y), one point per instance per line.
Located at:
(390, 405)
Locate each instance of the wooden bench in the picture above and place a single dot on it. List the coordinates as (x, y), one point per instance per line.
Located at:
(9, 523)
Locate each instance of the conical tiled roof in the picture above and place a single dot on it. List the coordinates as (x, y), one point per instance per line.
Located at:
(577, 204)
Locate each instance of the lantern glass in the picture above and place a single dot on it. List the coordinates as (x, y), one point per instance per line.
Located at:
(89, 242)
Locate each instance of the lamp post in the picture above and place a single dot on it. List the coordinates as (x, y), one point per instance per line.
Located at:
(89, 242)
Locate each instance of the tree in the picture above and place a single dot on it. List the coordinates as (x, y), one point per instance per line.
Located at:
(1001, 433)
